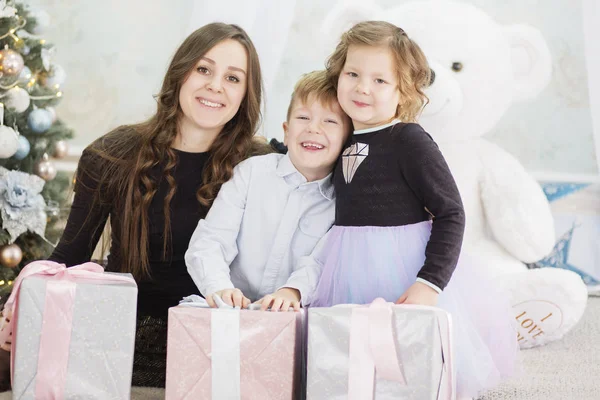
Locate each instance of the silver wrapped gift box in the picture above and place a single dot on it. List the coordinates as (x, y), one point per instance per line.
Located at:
(381, 352)
(88, 332)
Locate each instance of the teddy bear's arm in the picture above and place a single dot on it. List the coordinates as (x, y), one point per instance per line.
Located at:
(515, 206)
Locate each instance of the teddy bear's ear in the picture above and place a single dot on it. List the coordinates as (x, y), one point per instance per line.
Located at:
(343, 16)
(531, 60)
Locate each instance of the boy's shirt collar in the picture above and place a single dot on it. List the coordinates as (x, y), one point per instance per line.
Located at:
(287, 170)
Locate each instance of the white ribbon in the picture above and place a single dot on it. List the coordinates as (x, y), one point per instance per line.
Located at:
(225, 355)
(225, 346)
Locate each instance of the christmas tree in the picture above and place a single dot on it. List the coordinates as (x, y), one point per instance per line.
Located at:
(32, 192)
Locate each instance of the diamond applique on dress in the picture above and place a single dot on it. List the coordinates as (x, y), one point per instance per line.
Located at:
(352, 157)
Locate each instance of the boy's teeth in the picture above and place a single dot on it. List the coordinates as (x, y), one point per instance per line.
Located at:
(210, 103)
(312, 145)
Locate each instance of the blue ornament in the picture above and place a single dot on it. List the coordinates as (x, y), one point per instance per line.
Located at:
(23, 150)
(39, 120)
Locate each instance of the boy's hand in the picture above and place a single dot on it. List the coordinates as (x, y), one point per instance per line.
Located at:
(233, 297)
(281, 300)
(419, 293)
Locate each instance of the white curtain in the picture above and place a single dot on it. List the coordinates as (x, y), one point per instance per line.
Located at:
(591, 30)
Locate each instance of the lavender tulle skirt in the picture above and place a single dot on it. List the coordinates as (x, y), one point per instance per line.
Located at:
(363, 263)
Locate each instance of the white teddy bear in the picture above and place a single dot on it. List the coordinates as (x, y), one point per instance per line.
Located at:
(481, 68)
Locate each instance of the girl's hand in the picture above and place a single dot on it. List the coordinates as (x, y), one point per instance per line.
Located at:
(419, 293)
(281, 300)
(233, 297)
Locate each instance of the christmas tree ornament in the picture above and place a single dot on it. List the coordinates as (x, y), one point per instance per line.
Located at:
(24, 148)
(9, 141)
(21, 203)
(45, 169)
(18, 99)
(25, 75)
(10, 255)
(41, 144)
(52, 112)
(6, 11)
(47, 55)
(61, 149)
(11, 62)
(39, 120)
(56, 77)
(25, 50)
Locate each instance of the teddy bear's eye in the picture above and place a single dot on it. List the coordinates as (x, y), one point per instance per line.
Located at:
(431, 77)
(457, 66)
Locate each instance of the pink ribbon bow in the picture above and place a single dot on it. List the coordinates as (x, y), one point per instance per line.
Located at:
(372, 348)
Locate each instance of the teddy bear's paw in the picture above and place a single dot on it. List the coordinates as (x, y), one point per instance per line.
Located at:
(547, 303)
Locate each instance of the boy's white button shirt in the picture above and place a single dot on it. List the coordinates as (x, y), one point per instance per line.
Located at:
(261, 230)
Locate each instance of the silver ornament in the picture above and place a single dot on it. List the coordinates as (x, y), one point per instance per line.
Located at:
(45, 169)
(25, 75)
(10, 255)
(61, 149)
(47, 55)
(18, 99)
(56, 77)
(11, 62)
(9, 141)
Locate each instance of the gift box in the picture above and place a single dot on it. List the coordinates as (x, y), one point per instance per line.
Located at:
(75, 332)
(381, 352)
(233, 354)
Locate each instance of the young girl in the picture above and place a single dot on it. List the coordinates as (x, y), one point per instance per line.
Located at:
(399, 217)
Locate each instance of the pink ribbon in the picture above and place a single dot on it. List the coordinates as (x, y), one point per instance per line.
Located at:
(372, 348)
(55, 335)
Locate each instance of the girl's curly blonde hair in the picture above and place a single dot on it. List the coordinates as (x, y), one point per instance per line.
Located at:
(413, 71)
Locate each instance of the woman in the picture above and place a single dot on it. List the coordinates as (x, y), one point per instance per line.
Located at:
(156, 179)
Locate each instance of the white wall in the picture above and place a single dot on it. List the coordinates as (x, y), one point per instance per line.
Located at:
(591, 30)
(112, 76)
(115, 53)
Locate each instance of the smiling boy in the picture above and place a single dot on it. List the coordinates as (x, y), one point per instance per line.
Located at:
(274, 210)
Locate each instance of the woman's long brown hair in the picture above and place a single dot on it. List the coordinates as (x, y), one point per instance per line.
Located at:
(122, 160)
